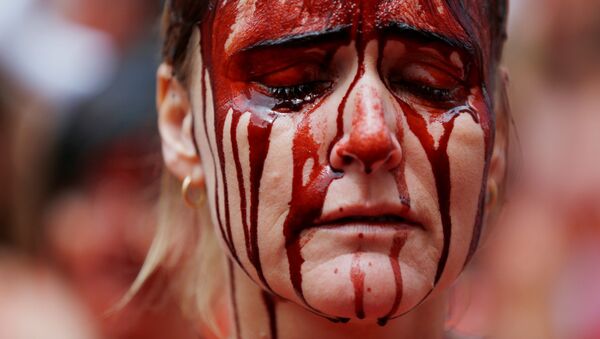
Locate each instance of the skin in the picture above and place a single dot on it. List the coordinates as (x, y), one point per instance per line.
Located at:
(355, 198)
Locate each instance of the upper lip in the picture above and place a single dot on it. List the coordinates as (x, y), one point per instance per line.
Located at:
(380, 214)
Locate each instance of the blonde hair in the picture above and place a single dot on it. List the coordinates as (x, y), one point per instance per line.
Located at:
(187, 248)
(185, 244)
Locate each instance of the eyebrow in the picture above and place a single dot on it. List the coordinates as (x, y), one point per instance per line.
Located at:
(343, 33)
(402, 29)
(339, 33)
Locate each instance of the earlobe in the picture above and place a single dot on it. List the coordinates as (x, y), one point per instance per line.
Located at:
(175, 123)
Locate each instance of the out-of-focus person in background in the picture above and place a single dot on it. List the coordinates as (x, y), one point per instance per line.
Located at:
(7, 116)
(104, 196)
(559, 204)
(83, 170)
(36, 303)
(65, 55)
(540, 268)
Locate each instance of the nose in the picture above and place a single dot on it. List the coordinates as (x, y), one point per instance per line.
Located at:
(369, 142)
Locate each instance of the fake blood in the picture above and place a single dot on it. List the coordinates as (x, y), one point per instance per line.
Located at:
(227, 238)
(357, 275)
(397, 245)
(307, 199)
(269, 302)
(259, 133)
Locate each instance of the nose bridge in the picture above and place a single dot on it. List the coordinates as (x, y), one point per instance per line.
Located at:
(369, 133)
(369, 138)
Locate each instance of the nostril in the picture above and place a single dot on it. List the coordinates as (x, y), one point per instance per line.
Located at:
(347, 160)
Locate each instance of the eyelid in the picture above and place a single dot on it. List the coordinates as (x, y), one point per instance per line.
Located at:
(436, 63)
(430, 76)
(289, 76)
(426, 96)
(252, 66)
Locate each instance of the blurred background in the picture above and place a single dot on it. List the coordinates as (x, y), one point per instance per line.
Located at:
(80, 169)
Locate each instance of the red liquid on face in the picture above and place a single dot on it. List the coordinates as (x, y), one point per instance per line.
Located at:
(460, 11)
(270, 306)
(219, 139)
(360, 48)
(235, 119)
(259, 133)
(307, 199)
(397, 245)
(307, 202)
(358, 281)
(228, 239)
(441, 165)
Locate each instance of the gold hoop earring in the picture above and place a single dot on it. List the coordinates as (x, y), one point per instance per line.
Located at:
(491, 195)
(185, 193)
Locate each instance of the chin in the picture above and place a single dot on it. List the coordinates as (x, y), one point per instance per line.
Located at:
(362, 286)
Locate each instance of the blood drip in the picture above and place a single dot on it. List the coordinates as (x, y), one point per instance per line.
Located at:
(438, 158)
(259, 133)
(269, 302)
(205, 42)
(397, 245)
(357, 275)
(487, 121)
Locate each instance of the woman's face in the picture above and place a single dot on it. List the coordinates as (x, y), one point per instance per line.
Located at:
(345, 147)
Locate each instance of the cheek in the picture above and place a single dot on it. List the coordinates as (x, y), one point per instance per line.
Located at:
(275, 195)
(465, 154)
(253, 190)
(237, 178)
(467, 158)
(421, 254)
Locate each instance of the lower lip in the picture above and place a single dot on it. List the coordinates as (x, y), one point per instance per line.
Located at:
(364, 228)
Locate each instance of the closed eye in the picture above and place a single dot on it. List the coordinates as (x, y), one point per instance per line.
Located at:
(294, 98)
(429, 86)
(430, 93)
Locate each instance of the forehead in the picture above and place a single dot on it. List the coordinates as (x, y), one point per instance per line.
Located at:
(243, 23)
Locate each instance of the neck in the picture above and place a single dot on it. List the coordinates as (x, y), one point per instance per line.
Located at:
(257, 314)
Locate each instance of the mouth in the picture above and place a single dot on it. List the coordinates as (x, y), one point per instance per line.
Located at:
(375, 216)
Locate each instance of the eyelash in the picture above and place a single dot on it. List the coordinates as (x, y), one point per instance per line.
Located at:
(429, 94)
(293, 98)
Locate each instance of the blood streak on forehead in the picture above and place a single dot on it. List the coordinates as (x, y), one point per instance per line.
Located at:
(244, 23)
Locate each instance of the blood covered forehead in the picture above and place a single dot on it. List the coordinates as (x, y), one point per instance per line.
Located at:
(239, 24)
(244, 23)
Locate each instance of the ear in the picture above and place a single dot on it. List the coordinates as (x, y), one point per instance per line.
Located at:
(498, 163)
(175, 123)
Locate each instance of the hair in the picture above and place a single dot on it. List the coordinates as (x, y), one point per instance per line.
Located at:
(185, 244)
(185, 241)
(179, 19)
